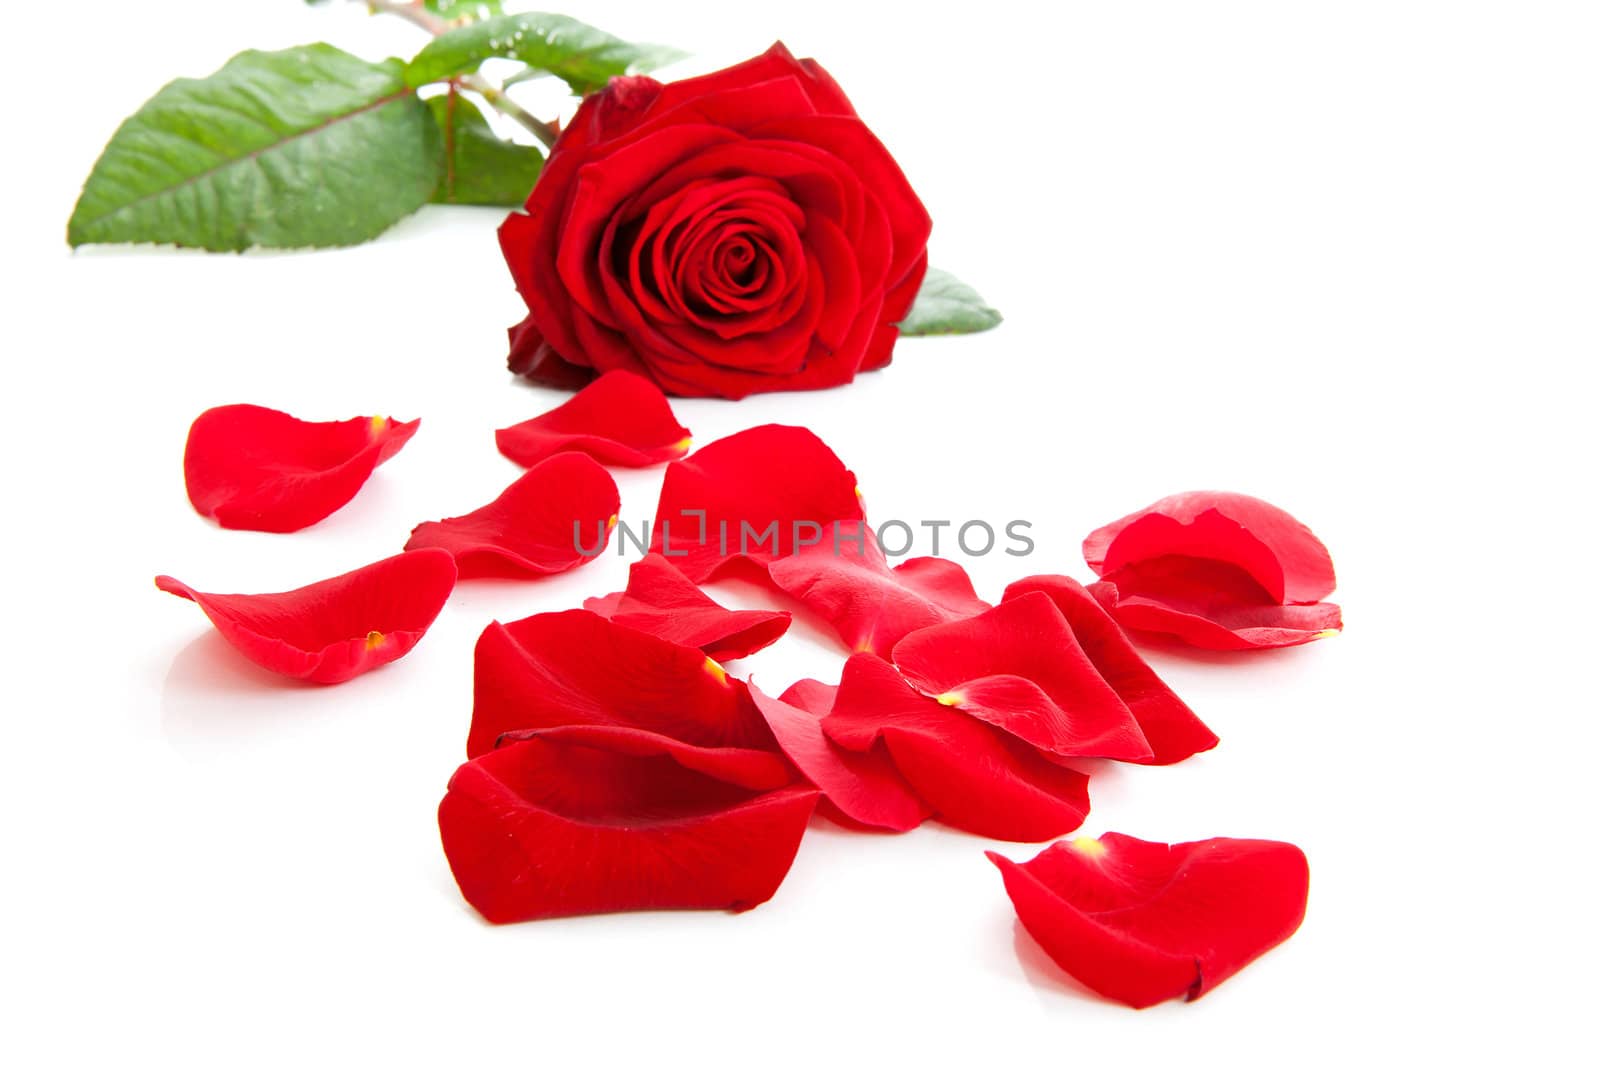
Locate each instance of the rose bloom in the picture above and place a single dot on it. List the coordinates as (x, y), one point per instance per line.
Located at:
(736, 233)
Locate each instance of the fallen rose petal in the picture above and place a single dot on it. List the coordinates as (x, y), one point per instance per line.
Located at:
(747, 768)
(573, 668)
(253, 468)
(974, 777)
(811, 696)
(555, 517)
(1143, 922)
(1209, 605)
(1173, 731)
(752, 496)
(1264, 541)
(582, 821)
(847, 581)
(1019, 667)
(620, 419)
(864, 787)
(332, 630)
(660, 601)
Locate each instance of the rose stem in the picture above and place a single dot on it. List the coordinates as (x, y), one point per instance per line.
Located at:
(413, 11)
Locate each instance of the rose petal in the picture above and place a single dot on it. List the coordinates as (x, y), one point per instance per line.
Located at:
(1143, 922)
(747, 768)
(253, 468)
(761, 490)
(660, 601)
(563, 823)
(1266, 542)
(620, 419)
(533, 358)
(975, 777)
(1209, 605)
(1019, 667)
(864, 787)
(1173, 731)
(573, 668)
(871, 606)
(332, 630)
(535, 527)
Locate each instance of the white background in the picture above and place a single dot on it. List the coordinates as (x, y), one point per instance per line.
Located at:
(1342, 256)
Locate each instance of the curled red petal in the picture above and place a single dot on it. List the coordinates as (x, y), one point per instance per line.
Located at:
(620, 418)
(1209, 605)
(975, 777)
(253, 468)
(1172, 729)
(1267, 543)
(1020, 668)
(863, 786)
(1142, 922)
(747, 768)
(573, 668)
(847, 581)
(332, 630)
(660, 601)
(581, 822)
(751, 496)
(556, 516)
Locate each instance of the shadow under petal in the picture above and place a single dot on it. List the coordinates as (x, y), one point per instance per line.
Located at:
(213, 696)
(1044, 973)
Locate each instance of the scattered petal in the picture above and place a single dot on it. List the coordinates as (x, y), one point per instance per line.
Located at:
(660, 601)
(253, 468)
(863, 787)
(1019, 667)
(332, 630)
(556, 516)
(754, 495)
(975, 777)
(573, 668)
(620, 418)
(747, 768)
(583, 821)
(1173, 731)
(1143, 922)
(847, 580)
(1209, 605)
(1267, 543)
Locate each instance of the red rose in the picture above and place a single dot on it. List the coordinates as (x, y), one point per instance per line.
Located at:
(736, 233)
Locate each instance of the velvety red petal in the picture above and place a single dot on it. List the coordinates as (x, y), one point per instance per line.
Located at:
(847, 581)
(659, 600)
(777, 61)
(332, 630)
(533, 358)
(573, 668)
(1143, 922)
(747, 768)
(563, 824)
(1019, 667)
(553, 518)
(619, 418)
(1173, 731)
(1266, 542)
(761, 491)
(863, 786)
(1209, 605)
(253, 468)
(975, 777)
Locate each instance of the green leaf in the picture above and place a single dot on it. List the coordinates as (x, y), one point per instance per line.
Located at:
(455, 9)
(582, 56)
(946, 305)
(480, 168)
(307, 147)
